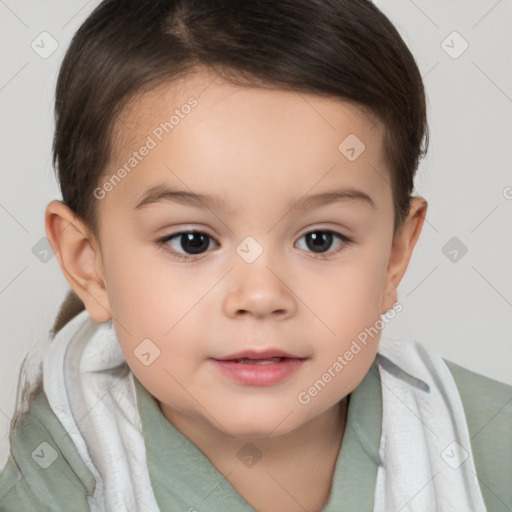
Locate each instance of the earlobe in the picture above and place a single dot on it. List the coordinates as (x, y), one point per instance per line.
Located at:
(79, 257)
(401, 251)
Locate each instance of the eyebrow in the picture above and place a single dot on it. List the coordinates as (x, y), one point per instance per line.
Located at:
(161, 193)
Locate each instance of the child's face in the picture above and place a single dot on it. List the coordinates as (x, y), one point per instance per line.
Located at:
(257, 153)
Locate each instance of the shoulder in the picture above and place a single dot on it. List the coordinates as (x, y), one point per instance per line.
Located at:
(488, 407)
(487, 402)
(44, 470)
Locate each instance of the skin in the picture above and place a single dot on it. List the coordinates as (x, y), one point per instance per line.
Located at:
(257, 150)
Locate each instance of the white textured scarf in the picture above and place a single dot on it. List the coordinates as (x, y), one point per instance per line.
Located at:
(425, 452)
(91, 390)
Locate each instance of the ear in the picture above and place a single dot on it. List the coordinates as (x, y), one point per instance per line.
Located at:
(79, 256)
(401, 250)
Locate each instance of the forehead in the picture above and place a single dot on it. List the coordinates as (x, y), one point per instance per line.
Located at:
(257, 138)
(214, 95)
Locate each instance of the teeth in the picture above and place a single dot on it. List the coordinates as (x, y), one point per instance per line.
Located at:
(271, 360)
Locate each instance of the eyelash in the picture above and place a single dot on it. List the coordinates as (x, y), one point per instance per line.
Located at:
(162, 243)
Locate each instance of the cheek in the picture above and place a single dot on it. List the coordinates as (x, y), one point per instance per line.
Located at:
(347, 298)
(146, 293)
(154, 300)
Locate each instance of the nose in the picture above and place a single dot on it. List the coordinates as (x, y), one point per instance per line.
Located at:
(257, 290)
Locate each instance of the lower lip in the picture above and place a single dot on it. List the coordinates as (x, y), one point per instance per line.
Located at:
(258, 374)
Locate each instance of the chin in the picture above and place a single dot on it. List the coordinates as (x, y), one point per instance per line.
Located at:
(260, 423)
(260, 431)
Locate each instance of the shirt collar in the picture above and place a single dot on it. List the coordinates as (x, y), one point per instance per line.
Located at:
(183, 478)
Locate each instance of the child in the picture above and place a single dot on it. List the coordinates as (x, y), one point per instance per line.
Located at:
(245, 371)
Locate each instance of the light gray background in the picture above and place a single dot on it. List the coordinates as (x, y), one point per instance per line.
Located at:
(461, 308)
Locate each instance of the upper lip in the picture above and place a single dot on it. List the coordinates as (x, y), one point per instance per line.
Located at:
(258, 354)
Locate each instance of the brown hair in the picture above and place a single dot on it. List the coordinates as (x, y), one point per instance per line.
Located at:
(340, 48)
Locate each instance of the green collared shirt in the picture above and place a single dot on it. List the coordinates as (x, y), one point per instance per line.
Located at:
(183, 478)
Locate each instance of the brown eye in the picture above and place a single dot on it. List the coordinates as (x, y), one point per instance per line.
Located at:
(194, 242)
(321, 240)
(186, 244)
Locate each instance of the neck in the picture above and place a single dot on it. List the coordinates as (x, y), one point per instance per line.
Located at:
(289, 472)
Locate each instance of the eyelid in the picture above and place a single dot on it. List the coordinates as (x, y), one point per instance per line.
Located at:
(175, 234)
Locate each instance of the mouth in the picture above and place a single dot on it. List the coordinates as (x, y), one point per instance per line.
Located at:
(270, 360)
(258, 368)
